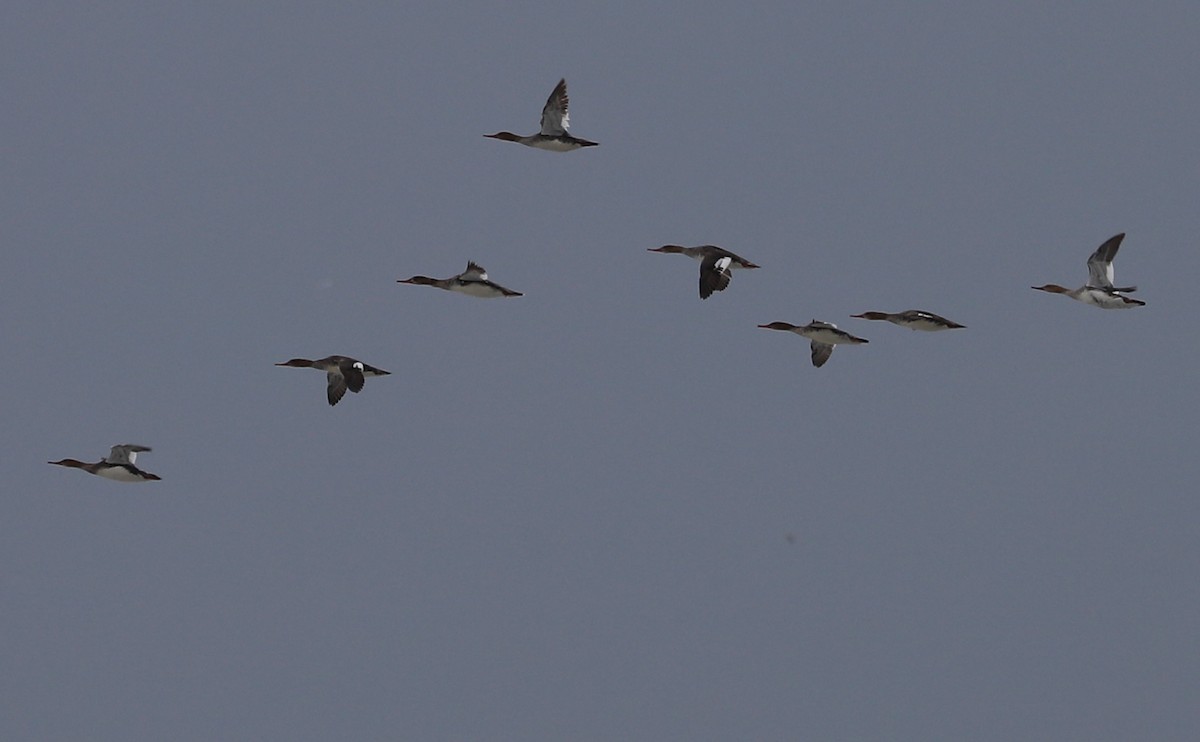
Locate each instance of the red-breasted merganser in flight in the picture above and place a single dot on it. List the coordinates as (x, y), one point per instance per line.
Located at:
(117, 466)
(343, 373)
(913, 319)
(472, 282)
(1099, 290)
(716, 264)
(824, 335)
(555, 121)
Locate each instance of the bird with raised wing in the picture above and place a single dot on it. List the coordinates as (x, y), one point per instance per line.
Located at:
(1099, 290)
(556, 119)
(472, 282)
(117, 466)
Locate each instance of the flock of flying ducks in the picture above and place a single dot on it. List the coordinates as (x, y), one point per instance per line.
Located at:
(716, 266)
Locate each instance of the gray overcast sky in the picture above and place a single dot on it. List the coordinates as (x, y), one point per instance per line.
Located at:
(606, 510)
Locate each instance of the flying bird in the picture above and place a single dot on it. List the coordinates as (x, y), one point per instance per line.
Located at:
(117, 466)
(716, 265)
(472, 282)
(913, 319)
(342, 373)
(1099, 290)
(555, 120)
(824, 335)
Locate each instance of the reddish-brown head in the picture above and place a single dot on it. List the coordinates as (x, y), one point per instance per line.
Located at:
(778, 326)
(73, 463)
(419, 281)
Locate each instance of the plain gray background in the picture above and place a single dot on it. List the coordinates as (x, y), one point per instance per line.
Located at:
(606, 510)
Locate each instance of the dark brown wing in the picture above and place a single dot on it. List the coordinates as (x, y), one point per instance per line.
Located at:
(821, 353)
(354, 378)
(713, 278)
(337, 387)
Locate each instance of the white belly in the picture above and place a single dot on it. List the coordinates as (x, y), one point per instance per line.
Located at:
(119, 474)
(476, 288)
(554, 145)
(829, 337)
(925, 325)
(1105, 300)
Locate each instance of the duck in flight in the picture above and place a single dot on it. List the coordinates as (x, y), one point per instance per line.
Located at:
(472, 282)
(824, 335)
(117, 466)
(555, 120)
(342, 373)
(913, 319)
(1099, 290)
(716, 265)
